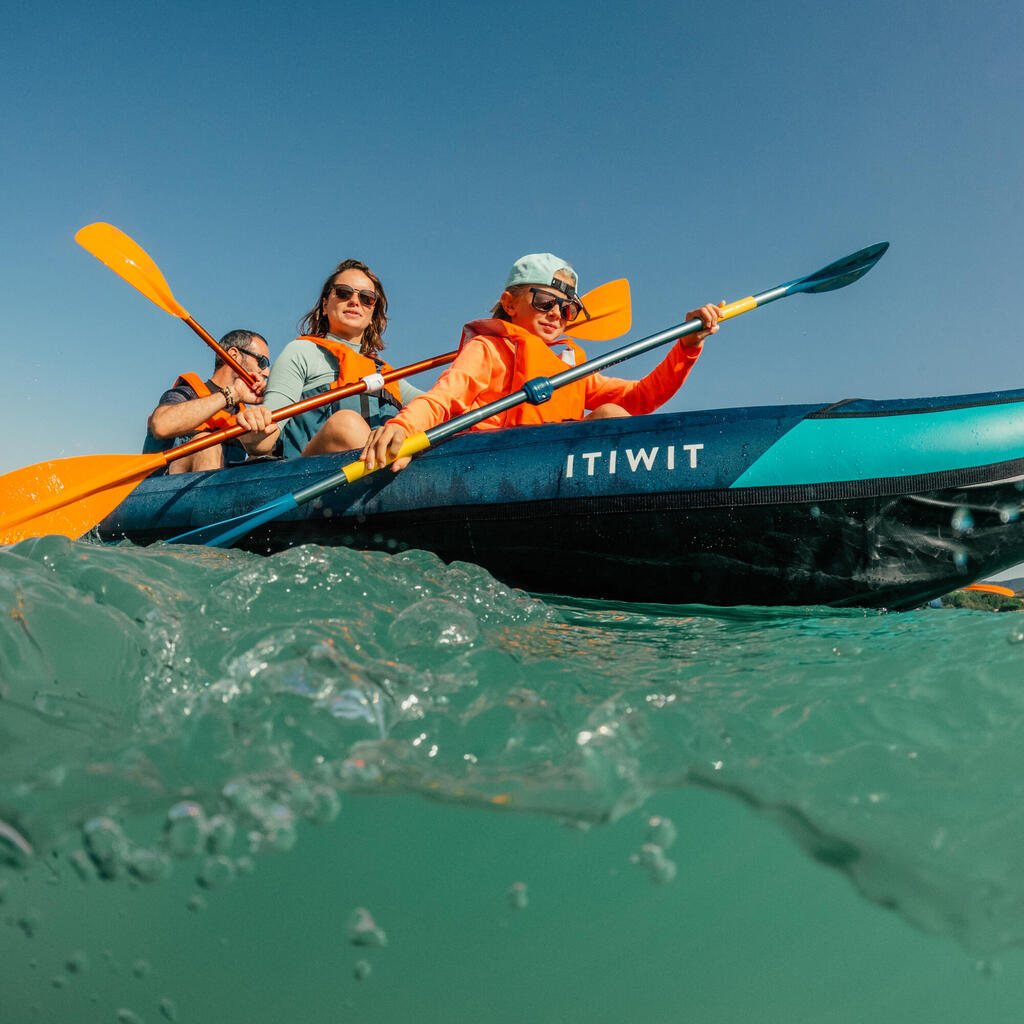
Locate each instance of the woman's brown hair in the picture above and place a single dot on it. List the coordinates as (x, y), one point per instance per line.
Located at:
(315, 322)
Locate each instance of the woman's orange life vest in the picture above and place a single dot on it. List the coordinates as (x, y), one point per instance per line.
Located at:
(354, 366)
(535, 358)
(219, 420)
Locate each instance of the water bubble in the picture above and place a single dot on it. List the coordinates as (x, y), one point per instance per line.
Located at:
(363, 930)
(58, 981)
(325, 805)
(220, 834)
(988, 968)
(77, 962)
(661, 831)
(962, 520)
(15, 849)
(434, 622)
(659, 867)
(28, 921)
(185, 829)
(1016, 635)
(518, 896)
(960, 558)
(149, 865)
(142, 968)
(1009, 514)
(276, 831)
(243, 796)
(362, 970)
(126, 1016)
(83, 867)
(106, 845)
(168, 1009)
(215, 872)
(196, 903)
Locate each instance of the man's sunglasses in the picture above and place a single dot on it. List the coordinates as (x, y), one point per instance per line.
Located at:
(345, 292)
(261, 361)
(568, 309)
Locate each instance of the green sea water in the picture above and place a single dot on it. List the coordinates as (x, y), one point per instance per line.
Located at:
(335, 786)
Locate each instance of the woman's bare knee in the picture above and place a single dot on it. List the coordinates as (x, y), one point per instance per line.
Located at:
(345, 431)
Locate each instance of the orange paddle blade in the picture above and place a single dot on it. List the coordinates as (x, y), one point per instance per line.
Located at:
(611, 314)
(129, 260)
(990, 588)
(68, 496)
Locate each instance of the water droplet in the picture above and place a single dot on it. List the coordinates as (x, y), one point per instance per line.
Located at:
(196, 903)
(126, 1016)
(518, 896)
(362, 970)
(363, 930)
(168, 1009)
(142, 968)
(58, 981)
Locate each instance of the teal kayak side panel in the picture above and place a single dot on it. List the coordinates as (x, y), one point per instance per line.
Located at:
(832, 449)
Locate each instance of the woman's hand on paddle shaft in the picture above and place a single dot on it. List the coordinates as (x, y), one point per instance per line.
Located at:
(709, 314)
(382, 445)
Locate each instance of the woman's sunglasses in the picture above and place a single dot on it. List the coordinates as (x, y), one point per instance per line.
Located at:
(261, 361)
(345, 292)
(543, 302)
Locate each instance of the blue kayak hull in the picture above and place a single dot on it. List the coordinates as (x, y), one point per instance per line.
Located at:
(883, 504)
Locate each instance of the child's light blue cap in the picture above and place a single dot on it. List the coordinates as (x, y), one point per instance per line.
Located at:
(540, 268)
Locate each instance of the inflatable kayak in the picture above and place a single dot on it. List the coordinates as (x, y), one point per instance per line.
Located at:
(874, 503)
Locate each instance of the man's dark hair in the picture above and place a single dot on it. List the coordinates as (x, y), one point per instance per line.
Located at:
(236, 339)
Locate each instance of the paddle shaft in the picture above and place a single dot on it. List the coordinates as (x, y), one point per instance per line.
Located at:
(221, 351)
(315, 402)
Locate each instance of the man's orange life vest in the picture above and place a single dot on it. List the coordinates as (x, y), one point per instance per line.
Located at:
(219, 420)
(535, 358)
(354, 366)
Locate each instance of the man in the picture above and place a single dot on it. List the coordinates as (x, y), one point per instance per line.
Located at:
(194, 407)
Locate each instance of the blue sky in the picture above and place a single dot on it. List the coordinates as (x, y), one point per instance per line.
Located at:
(704, 151)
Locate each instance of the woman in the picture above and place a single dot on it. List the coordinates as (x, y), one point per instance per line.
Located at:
(339, 344)
(524, 339)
